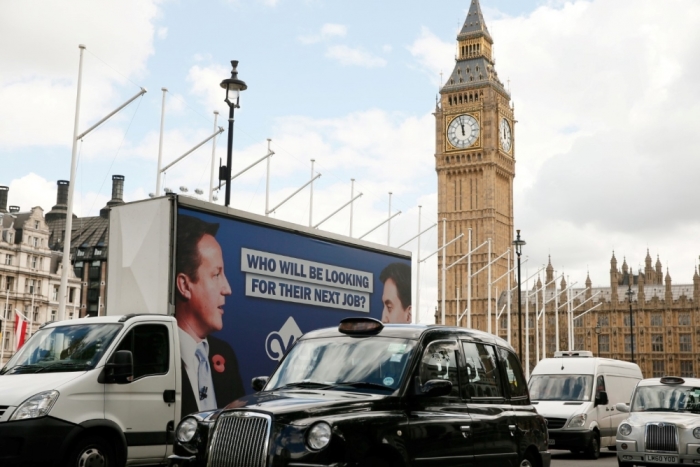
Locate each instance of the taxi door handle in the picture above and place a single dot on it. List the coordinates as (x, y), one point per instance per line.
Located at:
(466, 428)
(512, 429)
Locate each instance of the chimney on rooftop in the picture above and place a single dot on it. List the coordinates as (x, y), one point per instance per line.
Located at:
(4, 191)
(117, 195)
(14, 209)
(60, 210)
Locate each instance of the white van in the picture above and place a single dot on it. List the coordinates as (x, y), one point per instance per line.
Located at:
(576, 393)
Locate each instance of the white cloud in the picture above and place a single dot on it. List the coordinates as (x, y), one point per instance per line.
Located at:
(162, 33)
(328, 31)
(354, 56)
(40, 75)
(205, 84)
(433, 55)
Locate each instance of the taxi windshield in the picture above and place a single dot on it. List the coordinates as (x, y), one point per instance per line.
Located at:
(374, 364)
(665, 398)
(561, 387)
(75, 347)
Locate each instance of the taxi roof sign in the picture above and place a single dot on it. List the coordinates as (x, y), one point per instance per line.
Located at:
(360, 326)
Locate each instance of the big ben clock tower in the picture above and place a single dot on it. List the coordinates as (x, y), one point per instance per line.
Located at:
(475, 164)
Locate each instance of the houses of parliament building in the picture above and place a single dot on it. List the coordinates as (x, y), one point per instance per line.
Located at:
(475, 163)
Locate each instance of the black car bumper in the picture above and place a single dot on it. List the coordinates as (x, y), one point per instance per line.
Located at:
(569, 439)
(32, 442)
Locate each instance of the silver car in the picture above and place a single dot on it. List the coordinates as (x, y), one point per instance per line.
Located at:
(663, 426)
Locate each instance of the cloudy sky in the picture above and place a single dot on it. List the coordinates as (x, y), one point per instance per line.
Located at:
(605, 95)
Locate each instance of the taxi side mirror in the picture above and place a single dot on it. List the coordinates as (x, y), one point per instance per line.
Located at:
(622, 407)
(436, 388)
(601, 398)
(259, 382)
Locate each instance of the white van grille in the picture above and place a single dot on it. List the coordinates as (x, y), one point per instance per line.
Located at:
(661, 437)
(240, 439)
(555, 423)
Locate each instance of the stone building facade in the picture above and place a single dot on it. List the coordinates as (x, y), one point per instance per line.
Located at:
(30, 274)
(665, 318)
(475, 164)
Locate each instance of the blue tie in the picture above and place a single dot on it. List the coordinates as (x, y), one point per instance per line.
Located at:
(206, 399)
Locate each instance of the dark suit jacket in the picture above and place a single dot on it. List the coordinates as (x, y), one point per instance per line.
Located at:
(228, 385)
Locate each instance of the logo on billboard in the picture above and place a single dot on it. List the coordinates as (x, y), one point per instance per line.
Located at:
(278, 342)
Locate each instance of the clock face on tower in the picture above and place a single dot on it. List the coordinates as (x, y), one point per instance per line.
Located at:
(463, 131)
(504, 135)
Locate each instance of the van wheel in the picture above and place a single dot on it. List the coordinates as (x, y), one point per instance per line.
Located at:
(593, 449)
(92, 451)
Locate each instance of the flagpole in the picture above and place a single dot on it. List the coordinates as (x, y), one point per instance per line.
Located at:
(4, 326)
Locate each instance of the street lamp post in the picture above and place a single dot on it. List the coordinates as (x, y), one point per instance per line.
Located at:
(629, 294)
(233, 87)
(518, 243)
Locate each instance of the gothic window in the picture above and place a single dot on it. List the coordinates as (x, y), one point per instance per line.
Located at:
(604, 343)
(578, 342)
(459, 71)
(687, 369)
(657, 343)
(603, 321)
(657, 319)
(627, 320)
(450, 100)
(686, 342)
(684, 319)
(627, 344)
(657, 368)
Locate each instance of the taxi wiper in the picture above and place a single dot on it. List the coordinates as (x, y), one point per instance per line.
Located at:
(361, 384)
(303, 384)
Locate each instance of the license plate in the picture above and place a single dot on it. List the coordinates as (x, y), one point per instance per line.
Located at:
(551, 442)
(661, 458)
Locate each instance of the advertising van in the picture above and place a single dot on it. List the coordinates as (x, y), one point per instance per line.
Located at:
(577, 394)
(228, 292)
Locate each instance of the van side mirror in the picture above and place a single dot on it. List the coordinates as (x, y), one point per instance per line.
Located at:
(120, 368)
(601, 398)
(259, 382)
(622, 407)
(436, 388)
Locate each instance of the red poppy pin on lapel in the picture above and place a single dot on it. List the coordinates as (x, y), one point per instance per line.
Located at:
(219, 363)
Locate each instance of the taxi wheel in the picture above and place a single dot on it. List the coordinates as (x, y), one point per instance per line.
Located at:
(528, 461)
(593, 449)
(92, 451)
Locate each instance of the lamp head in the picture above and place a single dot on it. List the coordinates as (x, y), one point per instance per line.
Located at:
(233, 85)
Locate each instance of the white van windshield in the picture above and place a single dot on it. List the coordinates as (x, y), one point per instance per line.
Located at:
(561, 387)
(77, 347)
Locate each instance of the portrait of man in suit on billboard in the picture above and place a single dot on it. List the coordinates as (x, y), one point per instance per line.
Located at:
(211, 377)
(396, 295)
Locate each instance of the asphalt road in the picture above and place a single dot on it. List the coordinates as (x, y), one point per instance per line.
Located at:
(566, 459)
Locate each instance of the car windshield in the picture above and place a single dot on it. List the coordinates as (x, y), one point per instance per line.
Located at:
(561, 387)
(374, 364)
(666, 398)
(76, 347)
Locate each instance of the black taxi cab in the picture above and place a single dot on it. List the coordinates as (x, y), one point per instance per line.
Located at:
(368, 394)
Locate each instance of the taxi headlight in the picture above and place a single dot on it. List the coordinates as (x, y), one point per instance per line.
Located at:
(38, 405)
(186, 430)
(696, 432)
(319, 436)
(625, 429)
(577, 421)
